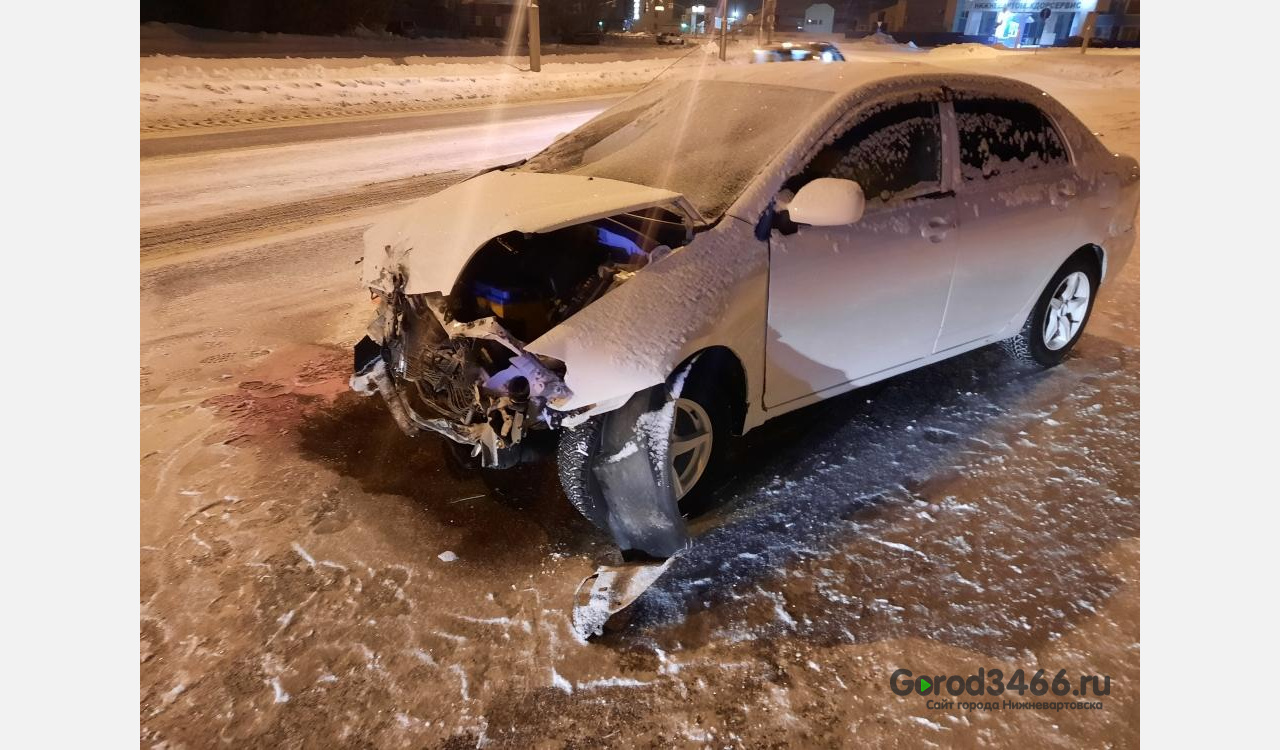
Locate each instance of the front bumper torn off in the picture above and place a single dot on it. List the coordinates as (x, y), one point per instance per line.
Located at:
(501, 407)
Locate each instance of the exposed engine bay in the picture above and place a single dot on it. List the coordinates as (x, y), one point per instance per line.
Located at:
(456, 365)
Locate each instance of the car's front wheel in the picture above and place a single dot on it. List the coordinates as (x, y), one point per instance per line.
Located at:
(693, 445)
(1059, 316)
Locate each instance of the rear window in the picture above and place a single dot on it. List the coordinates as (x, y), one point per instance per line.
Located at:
(1003, 136)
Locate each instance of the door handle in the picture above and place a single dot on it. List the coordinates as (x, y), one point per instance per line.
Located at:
(936, 229)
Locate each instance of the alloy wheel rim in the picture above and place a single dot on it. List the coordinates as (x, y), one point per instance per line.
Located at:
(689, 450)
(1067, 308)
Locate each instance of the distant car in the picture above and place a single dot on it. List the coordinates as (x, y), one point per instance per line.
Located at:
(581, 37)
(798, 51)
(643, 304)
(670, 37)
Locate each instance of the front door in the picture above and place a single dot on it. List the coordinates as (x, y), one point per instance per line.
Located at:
(846, 303)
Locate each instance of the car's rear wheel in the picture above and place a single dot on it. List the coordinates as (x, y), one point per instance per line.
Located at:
(1059, 316)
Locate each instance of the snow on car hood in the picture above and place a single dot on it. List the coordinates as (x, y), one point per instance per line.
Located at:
(430, 241)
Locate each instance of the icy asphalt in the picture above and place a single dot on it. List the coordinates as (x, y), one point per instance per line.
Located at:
(310, 577)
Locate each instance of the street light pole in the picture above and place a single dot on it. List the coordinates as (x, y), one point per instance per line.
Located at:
(1086, 33)
(535, 38)
(724, 26)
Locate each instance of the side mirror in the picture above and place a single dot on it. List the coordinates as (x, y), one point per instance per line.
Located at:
(828, 202)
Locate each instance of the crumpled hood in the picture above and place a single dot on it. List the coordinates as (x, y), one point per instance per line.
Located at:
(430, 241)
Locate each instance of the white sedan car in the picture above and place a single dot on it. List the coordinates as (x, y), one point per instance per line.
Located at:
(726, 247)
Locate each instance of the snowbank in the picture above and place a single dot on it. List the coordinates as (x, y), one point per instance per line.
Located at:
(966, 51)
(880, 38)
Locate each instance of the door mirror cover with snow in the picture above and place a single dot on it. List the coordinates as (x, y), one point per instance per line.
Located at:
(828, 202)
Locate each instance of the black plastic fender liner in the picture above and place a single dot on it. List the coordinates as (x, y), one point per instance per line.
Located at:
(634, 479)
(367, 352)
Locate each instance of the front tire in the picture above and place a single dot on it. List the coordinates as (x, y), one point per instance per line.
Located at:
(1059, 316)
(703, 409)
(696, 446)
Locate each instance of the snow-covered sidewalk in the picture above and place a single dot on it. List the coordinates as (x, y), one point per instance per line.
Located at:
(283, 79)
(187, 93)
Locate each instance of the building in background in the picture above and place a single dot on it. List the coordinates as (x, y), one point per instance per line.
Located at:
(486, 17)
(910, 15)
(657, 16)
(1117, 20)
(888, 19)
(819, 18)
(1021, 23)
(1014, 23)
(559, 19)
(416, 18)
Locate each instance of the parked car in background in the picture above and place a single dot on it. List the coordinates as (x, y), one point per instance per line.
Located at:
(798, 52)
(638, 306)
(671, 37)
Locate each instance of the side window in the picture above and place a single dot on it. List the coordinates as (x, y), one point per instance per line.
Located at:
(1002, 136)
(894, 153)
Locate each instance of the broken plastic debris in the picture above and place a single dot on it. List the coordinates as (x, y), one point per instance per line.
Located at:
(447, 556)
(603, 595)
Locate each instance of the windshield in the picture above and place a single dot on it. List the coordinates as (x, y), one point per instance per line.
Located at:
(703, 139)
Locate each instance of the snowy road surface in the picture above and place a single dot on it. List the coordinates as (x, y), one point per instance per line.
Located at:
(294, 578)
(349, 156)
(352, 127)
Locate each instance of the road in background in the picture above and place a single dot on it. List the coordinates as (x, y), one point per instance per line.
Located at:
(225, 187)
(186, 143)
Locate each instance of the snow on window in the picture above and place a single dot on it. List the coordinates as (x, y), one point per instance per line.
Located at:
(894, 152)
(1001, 136)
(704, 139)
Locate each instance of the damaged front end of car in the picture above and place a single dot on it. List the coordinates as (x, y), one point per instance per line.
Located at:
(457, 364)
(471, 382)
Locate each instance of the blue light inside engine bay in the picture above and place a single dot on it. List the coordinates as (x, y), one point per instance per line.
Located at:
(613, 239)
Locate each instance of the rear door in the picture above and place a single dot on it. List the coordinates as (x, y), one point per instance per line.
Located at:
(1016, 193)
(848, 302)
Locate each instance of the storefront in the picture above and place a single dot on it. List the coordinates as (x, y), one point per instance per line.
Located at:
(1022, 23)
